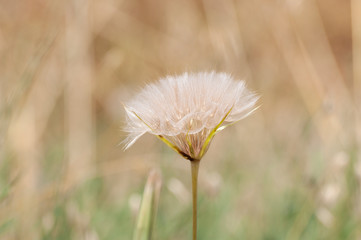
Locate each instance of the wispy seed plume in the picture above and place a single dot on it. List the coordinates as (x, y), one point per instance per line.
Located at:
(187, 110)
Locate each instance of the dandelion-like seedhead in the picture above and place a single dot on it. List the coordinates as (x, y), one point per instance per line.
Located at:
(187, 110)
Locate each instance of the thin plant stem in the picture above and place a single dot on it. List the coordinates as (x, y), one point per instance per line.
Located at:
(194, 168)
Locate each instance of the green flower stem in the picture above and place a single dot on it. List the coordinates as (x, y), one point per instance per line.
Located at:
(195, 168)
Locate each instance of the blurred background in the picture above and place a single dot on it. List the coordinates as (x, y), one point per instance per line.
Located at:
(292, 170)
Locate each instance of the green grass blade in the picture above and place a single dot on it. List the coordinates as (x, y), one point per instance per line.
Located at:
(148, 208)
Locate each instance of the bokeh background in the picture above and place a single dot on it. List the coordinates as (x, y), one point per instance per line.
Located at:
(292, 170)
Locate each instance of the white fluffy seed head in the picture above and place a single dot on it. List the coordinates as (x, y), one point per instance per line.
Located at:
(185, 109)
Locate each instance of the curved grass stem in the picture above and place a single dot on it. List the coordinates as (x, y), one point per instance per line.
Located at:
(194, 169)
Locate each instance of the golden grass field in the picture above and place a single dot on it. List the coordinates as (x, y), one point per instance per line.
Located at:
(291, 170)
